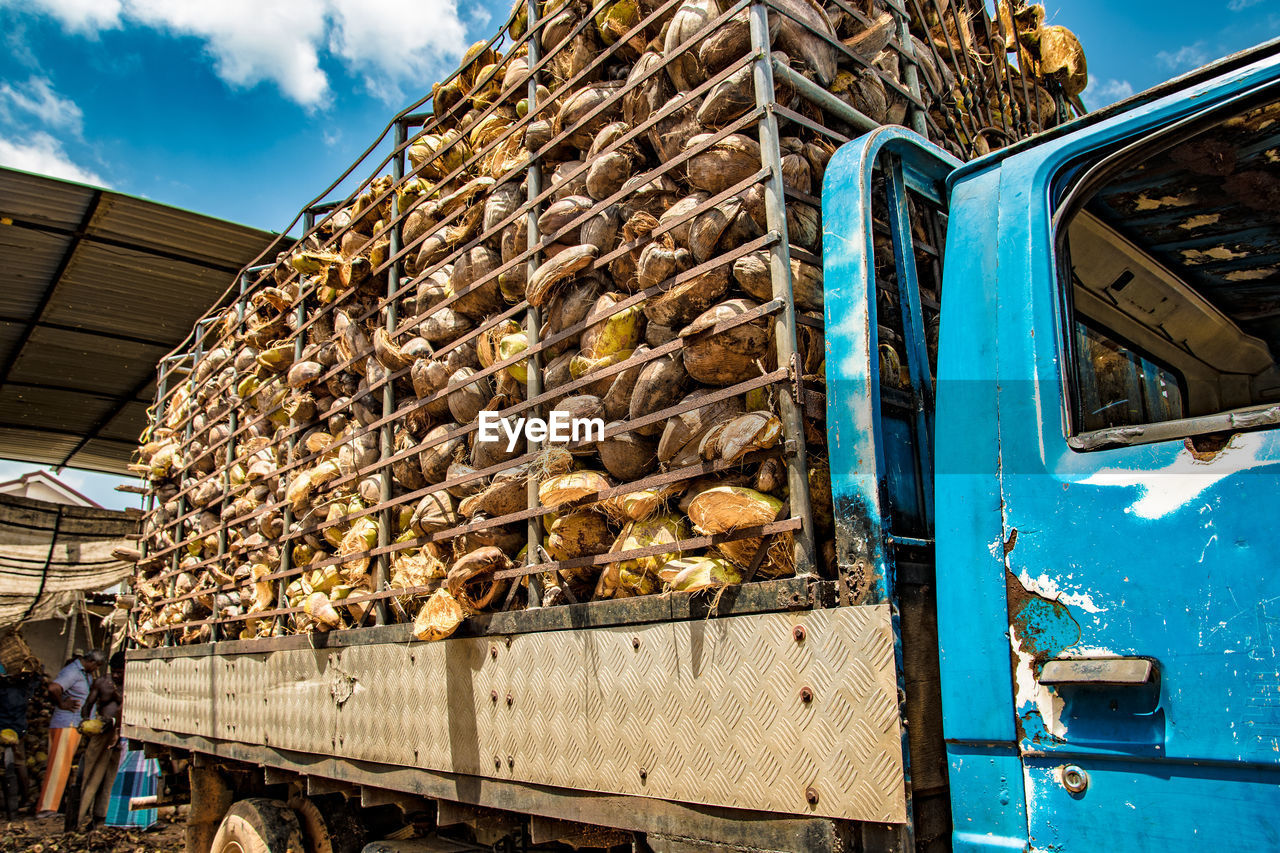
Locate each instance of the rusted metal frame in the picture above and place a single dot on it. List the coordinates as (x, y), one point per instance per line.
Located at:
(963, 82)
(808, 123)
(784, 327)
(687, 472)
(991, 117)
(688, 544)
(532, 327)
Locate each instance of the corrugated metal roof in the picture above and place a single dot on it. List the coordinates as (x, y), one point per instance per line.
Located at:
(96, 287)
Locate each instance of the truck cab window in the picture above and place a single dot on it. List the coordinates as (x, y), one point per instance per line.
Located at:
(1171, 278)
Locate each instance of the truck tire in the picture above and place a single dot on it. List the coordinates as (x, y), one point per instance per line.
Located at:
(328, 826)
(259, 825)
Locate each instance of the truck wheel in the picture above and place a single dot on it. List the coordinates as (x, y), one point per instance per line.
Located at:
(328, 826)
(259, 825)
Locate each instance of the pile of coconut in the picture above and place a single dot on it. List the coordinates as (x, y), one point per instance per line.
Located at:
(650, 270)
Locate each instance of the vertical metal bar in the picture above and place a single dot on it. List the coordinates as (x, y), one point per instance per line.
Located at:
(286, 545)
(784, 328)
(382, 564)
(532, 318)
(182, 500)
(910, 73)
(912, 326)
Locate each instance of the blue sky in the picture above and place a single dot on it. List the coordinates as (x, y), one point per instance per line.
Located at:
(246, 109)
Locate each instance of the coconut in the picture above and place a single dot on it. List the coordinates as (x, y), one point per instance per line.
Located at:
(617, 398)
(723, 509)
(475, 284)
(753, 274)
(438, 618)
(575, 109)
(805, 33)
(556, 270)
(722, 163)
(601, 230)
(466, 401)
(470, 579)
(615, 331)
(580, 407)
(322, 611)
(433, 513)
(685, 69)
(436, 455)
(730, 440)
(627, 456)
(686, 300)
(682, 434)
(563, 489)
(443, 325)
(429, 379)
(639, 575)
(578, 534)
(639, 505)
(658, 386)
(731, 356)
(607, 174)
(691, 574)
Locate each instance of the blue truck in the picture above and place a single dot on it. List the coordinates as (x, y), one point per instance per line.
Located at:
(1055, 621)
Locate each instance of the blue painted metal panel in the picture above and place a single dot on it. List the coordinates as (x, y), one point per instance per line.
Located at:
(1143, 550)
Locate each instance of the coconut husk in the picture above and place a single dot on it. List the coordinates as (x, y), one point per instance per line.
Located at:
(470, 578)
(556, 270)
(627, 456)
(562, 489)
(722, 163)
(693, 574)
(639, 576)
(578, 407)
(601, 230)
(443, 325)
(685, 69)
(806, 34)
(658, 386)
(729, 357)
(615, 330)
(578, 534)
(686, 430)
(723, 509)
(435, 512)
(435, 458)
(617, 399)
(640, 504)
(468, 397)
(560, 214)
(730, 440)
(439, 617)
(753, 273)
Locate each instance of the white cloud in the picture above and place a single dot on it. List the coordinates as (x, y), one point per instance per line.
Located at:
(1241, 5)
(1103, 92)
(37, 98)
(41, 153)
(1187, 56)
(87, 17)
(392, 45)
(250, 41)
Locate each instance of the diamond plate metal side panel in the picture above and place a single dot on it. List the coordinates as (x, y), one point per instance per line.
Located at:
(708, 711)
(174, 694)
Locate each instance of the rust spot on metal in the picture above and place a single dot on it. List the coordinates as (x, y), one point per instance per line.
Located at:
(798, 633)
(811, 795)
(806, 695)
(1044, 626)
(1205, 448)
(1011, 541)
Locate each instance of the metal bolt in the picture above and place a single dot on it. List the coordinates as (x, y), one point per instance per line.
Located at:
(811, 795)
(798, 633)
(511, 761)
(510, 700)
(806, 695)
(508, 642)
(497, 763)
(493, 696)
(635, 642)
(1075, 779)
(493, 652)
(644, 774)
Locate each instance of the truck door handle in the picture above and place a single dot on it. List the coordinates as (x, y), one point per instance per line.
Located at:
(1114, 671)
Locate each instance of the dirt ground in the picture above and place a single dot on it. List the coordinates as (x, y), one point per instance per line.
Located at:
(28, 835)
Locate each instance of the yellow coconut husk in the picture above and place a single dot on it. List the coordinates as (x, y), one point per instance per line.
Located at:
(723, 509)
(362, 537)
(731, 440)
(639, 575)
(578, 534)
(439, 617)
(562, 489)
(322, 611)
(690, 574)
(639, 505)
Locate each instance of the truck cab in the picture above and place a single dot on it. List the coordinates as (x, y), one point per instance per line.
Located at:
(1100, 496)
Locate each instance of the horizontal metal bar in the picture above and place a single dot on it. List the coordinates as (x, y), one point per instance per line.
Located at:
(820, 97)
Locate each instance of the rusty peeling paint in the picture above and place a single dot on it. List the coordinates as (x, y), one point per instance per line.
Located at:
(1200, 221)
(1214, 253)
(1011, 541)
(1046, 627)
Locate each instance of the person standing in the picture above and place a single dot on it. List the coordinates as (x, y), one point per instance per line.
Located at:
(101, 757)
(68, 691)
(16, 690)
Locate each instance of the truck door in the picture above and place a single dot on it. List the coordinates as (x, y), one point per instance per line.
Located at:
(1137, 327)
